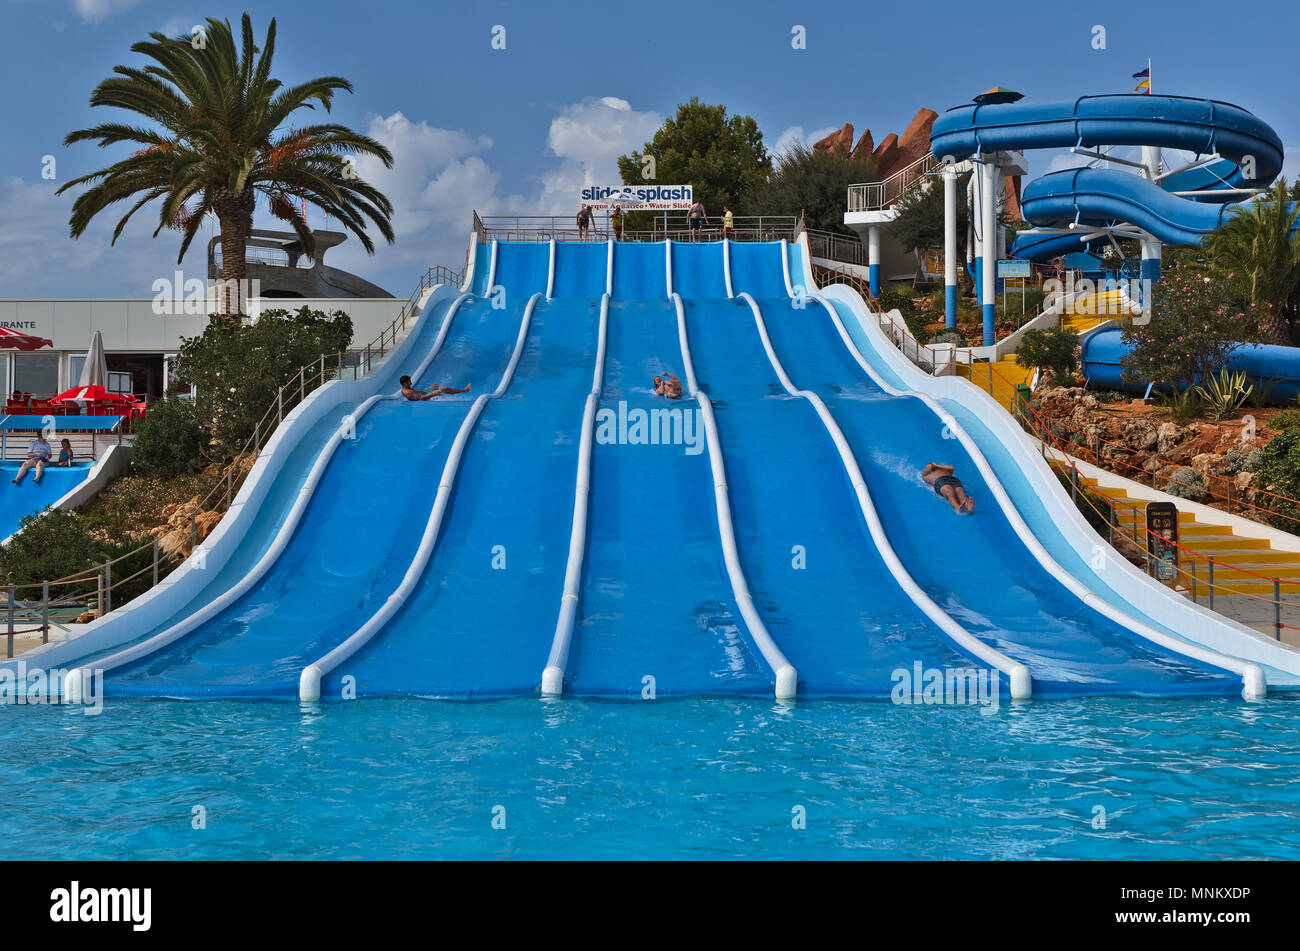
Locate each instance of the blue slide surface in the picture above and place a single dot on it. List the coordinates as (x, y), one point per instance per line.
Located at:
(657, 605)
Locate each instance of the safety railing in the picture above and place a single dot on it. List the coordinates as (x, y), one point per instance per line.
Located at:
(847, 249)
(96, 591)
(877, 196)
(923, 355)
(672, 226)
(272, 257)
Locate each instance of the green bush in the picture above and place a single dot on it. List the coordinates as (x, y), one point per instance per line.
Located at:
(949, 336)
(1054, 351)
(1285, 419)
(1090, 504)
(55, 543)
(1279, 473)
(169, 441)
(892, 299)
(238, 367)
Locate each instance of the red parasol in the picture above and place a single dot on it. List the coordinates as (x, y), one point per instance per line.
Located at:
(22, 341)
(93, 394)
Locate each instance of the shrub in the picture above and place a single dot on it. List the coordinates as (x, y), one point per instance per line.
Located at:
(1279, 472)
(55, 543)
(1090, 504)
(1285, 419)
(1186, 484)
(949, 336)
(892, 299)
(1184, 404)
(1054, 351)
(169, 440)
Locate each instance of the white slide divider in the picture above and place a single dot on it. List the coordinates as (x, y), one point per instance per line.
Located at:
(309, 680)
(1254, 685)
(1018, 673)
(550, 274)
(787, 679)
(558, 661)
(492, 270)
(726, 266)
(785, 268)
(609, 269)
(346, 430)
(668, 266)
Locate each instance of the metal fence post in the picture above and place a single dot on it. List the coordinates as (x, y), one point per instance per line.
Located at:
(279, 406)
(302, 384)
(108, 586)
(1228, 479)
(155, 561)
(11, 621)
(1210, 582)
(45, 612)
(230, 478)
(194, 532)
(99, 591)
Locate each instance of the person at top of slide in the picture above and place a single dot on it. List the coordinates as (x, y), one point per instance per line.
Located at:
(947, 485)
(669, 386)
(584, 222)
(697, 218)
(416, 396)
(728, 222)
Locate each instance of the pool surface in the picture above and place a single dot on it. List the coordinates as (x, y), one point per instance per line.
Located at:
(700, 778)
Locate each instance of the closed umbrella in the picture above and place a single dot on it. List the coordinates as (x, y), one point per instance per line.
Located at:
(94, 372)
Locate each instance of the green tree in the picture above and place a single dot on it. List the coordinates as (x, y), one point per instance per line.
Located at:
(238, 367)
(1055, 351)
(1257, 253)
(55, 543)
(219, 136)
(812, 182)
(1279, 473)
(170, 439)
(920, 218)
(721, 156)
(1195, 323)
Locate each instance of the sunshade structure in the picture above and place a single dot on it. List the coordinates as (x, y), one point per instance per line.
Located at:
(94, 372)
(998, 94)
(16, 340)
(93, 394)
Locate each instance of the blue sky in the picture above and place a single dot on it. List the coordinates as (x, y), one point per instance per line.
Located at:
(519, 130)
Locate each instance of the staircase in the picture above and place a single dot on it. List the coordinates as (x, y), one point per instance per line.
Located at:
(1004, 378)
(877, 196)
(1087, 312)
(1231, 552)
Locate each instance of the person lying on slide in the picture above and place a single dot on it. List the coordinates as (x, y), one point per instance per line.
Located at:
(941, 479)
(669, 386)
(434, 391)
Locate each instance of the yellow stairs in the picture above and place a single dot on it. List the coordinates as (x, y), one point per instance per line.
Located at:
(1088, 312)
(1231, 552)
(1006, 374)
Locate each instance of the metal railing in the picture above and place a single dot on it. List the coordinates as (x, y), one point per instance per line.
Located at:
(273, 257)
(876, 196)
(93, 592)
(672, 226)
(847, 249)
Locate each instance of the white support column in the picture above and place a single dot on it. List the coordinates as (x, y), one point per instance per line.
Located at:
(1150, 272)
(988, 269)
(949, 246)
(873, 259)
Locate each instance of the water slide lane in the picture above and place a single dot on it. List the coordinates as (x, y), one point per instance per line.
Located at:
(19, 501)
(480, 621)
(756, 269)
(640, 270)
(697, 269)
(817, 580)
(523, 267)
(655, 600)
(975, 567)
(354, 541)
(580, 269)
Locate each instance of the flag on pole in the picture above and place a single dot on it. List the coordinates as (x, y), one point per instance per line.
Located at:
(1144, 74)
(1144, 87)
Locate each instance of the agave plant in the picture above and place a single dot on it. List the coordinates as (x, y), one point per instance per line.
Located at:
(1226, 392)
(218, 138)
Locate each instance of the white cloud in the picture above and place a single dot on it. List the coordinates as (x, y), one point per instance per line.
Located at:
(588, 137)
(794, 135)
(95, 11)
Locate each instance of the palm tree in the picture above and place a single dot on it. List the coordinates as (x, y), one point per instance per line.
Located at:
(223, 141)
(1257, 253)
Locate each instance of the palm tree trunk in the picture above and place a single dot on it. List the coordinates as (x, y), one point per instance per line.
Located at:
(235, 214)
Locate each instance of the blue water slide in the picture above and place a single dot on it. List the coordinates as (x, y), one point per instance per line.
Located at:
(352, 544)
(580, 269)
(523, 267)
(640, 270)
(654, 601)
(483, 255)
(698, 269)
(817, 578)
(479, 623)
(1271, 366)
(757, 269)
(31, 497)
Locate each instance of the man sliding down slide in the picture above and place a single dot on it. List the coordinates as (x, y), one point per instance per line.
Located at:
(941, 479)
(434, 391)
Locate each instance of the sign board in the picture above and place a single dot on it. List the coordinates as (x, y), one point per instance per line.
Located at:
(1011, 267)
(1162, 539)
(638, 197)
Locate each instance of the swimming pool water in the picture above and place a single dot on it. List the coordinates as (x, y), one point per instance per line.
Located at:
(702, 778)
